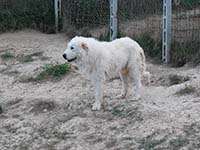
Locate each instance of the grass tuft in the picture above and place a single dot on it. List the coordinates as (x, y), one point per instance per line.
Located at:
(183, 53)
(152, 48)
(50, 71)
(178, 142)
(7, 56)
(177, 79)
(29, 58)
(151, 141)
(188, 89)
(54, 70)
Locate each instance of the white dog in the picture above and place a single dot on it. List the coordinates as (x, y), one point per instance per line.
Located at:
(100, 60)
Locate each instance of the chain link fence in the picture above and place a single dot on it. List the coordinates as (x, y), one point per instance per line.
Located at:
(140, 19)
(85, 13)
(186, 20)
(140, 16)
(185, 31)
(19, 14)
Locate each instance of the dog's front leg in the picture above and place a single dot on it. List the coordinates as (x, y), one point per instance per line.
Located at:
(98, 95)
(124, 80)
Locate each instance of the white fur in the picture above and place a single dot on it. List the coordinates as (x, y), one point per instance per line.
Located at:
(101, 60)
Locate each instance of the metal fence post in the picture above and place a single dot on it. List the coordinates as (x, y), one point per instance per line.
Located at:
(113, 19)
(167, 13)
(57, 9)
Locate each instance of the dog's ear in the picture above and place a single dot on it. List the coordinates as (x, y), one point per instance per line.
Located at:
(84, 46)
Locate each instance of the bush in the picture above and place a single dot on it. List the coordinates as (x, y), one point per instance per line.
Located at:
(188, 89)
(177, 79)
(182, 53)
(151, 47)
(53, 70)
(50, 71)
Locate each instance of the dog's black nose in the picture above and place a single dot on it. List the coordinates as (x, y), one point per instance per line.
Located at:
(65, 56)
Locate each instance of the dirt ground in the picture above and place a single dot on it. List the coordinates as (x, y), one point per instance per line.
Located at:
(57, 115)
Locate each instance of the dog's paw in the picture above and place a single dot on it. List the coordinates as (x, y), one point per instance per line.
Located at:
(96, 106)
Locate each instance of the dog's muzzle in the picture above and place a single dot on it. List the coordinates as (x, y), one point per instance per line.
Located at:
(69, 60)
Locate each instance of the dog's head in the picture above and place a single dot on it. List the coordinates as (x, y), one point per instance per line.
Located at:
(76, 48)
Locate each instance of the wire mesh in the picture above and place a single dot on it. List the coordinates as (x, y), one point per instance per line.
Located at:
(18, 14)
(5, 4)
(85, 13)
(186, 20)
(137, 17)
(185, 32)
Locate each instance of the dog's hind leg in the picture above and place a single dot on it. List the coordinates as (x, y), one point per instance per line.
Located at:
(136, 73)
(124, 79)
(145, 73)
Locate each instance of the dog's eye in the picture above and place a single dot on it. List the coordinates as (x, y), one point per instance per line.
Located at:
(72, 48)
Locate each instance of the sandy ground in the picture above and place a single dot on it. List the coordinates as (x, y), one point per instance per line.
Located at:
(56, 115)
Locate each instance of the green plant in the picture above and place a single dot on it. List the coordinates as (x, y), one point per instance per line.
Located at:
(178, 142)
(7, 55)
(188, 89)
(179, 55)
(151, 47)
(151, 142)
(27, 58)
(43, 106)
(53, 70)
(177, 79)
(182, 53)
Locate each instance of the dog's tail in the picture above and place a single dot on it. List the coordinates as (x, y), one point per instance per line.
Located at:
(145, 73)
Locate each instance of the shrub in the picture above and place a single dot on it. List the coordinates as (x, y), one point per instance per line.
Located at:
(177, 79)
(188, 89)
(151, 47)
(182, 53)
(53, 70)
(50, 71)
(178, 142)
